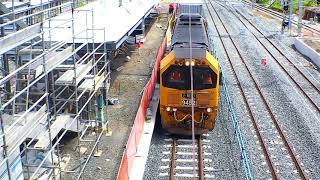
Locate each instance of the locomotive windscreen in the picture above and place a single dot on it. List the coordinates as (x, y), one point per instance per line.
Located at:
(178, 77)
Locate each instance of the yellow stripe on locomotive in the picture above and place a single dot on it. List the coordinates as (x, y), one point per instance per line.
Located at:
(175, 80)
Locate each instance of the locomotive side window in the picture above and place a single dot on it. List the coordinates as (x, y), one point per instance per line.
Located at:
(178, 77)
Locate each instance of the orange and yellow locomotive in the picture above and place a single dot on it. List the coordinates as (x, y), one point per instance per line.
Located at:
(175, 77)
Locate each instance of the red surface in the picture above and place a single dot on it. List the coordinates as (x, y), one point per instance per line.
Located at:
(264, 61)
(122, 174)
(171, 5)
(137, 129)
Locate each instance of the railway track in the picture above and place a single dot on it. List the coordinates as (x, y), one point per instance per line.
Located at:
(277, 155)
(291, 76)
(280, 16)
(180, 165)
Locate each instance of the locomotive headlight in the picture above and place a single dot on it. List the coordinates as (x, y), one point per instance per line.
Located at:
(174, 109)
(209, 110)
(168, 109)
(187, 63)
(192, 63)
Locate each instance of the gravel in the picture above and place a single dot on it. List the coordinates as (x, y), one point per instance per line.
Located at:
(299, 123)
(255, 160)
(132, 76)
(224, 155)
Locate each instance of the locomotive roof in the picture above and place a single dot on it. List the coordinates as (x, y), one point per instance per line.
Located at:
(181, 34)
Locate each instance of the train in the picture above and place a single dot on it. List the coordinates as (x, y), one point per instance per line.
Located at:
(182, 54)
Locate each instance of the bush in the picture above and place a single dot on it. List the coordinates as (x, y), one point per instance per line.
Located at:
(277, 4)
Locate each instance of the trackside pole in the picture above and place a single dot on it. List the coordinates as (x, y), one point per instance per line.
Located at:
(300, 18)
(290, 16)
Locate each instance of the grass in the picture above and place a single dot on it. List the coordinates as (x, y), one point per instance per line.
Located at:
(277, 4)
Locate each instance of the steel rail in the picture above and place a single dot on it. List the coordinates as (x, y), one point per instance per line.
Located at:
(281, 66)
(245, 98)
(173, 159)
(275, 122)
(200, 159)
(276, 14)
(238, 133)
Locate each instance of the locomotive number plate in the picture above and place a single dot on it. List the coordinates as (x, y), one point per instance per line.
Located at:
(188, 96)
(187, 102)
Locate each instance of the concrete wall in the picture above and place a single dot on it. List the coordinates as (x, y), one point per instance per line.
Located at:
(304, 49)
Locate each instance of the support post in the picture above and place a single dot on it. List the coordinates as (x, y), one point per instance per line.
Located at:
(143, 27)
(7, 70)
(300, 18)
(290, 15)
(5, 62)
(100, 107)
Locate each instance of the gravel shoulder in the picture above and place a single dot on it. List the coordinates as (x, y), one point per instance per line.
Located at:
(299, 123)
(222, 145)
(128, 79)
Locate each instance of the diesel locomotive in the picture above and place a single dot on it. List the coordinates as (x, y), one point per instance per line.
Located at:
(188, 47)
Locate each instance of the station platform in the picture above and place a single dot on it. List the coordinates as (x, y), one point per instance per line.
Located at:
(117, 21)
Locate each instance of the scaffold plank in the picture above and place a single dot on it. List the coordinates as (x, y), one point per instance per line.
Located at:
(81, 71)
(22, 130)
(17, 38)
(87, 84)
(61, 122)
(53, 59)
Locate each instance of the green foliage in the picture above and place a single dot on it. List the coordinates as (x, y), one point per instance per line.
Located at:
(310, 3)
(277, 4)
(81, 3)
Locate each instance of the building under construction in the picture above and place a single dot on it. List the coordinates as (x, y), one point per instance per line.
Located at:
(54, 80)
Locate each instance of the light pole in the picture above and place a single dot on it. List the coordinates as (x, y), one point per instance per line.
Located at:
(290, 15)
(300, 18)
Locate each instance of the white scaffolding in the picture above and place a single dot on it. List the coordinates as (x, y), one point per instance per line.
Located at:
(49, 88)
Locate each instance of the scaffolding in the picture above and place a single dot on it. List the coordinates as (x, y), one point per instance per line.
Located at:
(49, 89)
